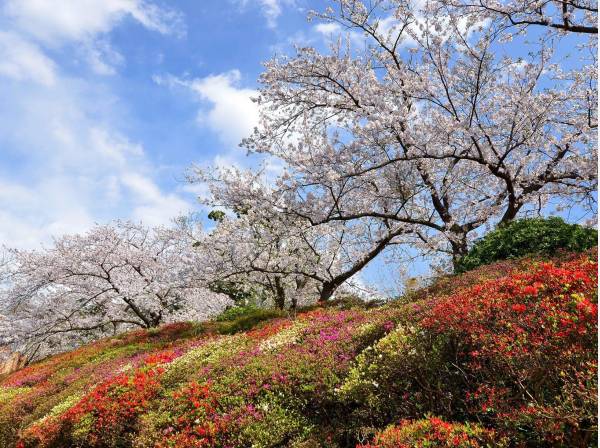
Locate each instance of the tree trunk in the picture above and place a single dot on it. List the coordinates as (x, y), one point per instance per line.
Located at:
(148, 323)
(455, 261)
(279, 293)
(459, 250)
(13, 363)
(330, 286)
(327, 291)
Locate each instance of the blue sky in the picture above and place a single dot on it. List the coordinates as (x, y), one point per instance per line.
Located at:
(105, 103)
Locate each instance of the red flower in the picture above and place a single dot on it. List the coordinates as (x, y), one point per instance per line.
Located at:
(531, 290)
(519, 308)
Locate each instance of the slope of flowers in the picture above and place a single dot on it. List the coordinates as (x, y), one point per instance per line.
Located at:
(506, 356)
(434, 432)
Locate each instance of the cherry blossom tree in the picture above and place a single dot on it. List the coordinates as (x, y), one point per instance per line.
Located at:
(110, 279)
(258, 258)
(434, 128)
(566, 16)
(285, 253)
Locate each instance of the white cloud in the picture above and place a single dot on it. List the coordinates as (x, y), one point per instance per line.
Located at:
(271, 9)
(36, 209)
(327, 29)
(69, 165)
(228, 160)
(22, 60)
(153, 17)
(101, 57)
(32, 212)
(153, 207)
(330, 31)
(231, 114)
(115, 149)
(84, 24)
(77, 20)
(200, 190)
(66, 164)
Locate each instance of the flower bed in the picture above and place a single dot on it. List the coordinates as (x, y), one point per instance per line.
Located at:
(506, 357)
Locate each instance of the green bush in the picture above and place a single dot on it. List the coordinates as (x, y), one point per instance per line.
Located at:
(400, 375)
(244, 318)
(540, 236)
(235, 312)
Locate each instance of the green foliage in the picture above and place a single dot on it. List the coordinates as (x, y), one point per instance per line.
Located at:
(347, 302)
(216, 215)
(540, 236)
(241, 293)
(235, 312)
(400, 375)
(279, 425)
(244, 318)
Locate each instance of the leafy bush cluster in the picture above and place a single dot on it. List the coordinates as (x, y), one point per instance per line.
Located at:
(502, 358)
(433, 432)
(542, 236)
(242, 318)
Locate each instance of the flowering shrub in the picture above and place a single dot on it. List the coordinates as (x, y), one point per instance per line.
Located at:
(516, 352)
(108, 413)
(35, 410)
(528, 348)
(510, 346)
(434, 432)
(275, 386)
(199, 423)
(382, 383)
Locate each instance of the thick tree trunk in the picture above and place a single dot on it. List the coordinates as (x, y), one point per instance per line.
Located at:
(459, 250)
(279, 293)
(148, 322)
(155, 319)
(327, 291)
(455, 261)
(14, 362)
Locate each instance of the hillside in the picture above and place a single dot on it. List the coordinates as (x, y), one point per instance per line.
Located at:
(504, 355)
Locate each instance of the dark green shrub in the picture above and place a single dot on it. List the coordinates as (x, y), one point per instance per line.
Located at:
(244, 318)
(235, 312)
(540, 236)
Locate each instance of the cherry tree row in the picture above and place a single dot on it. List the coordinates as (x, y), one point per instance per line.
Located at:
(423, 125)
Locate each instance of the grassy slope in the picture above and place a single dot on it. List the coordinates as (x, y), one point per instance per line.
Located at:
(331, 377)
